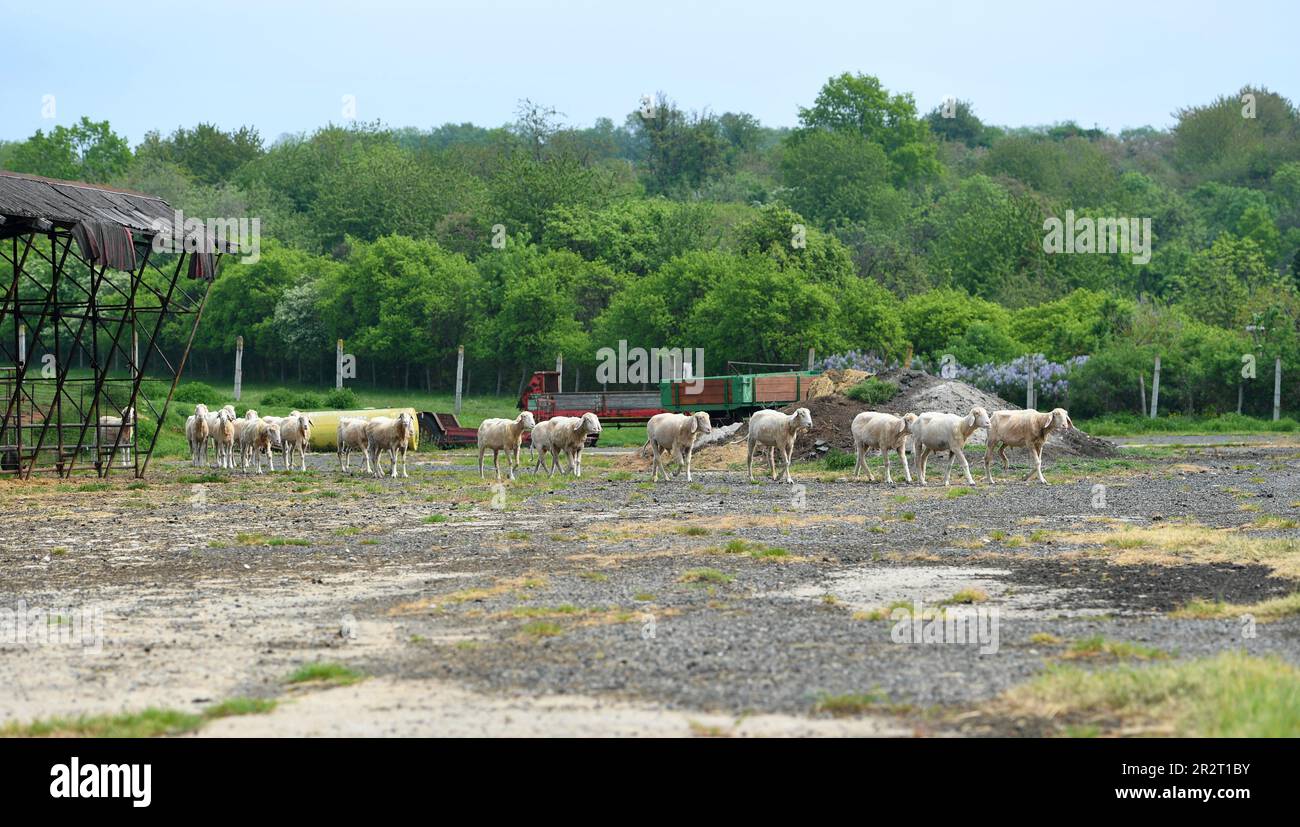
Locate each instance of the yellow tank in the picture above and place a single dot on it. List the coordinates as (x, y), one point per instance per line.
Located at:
(325, 425)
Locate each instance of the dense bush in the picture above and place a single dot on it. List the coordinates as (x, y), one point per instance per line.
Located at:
(341, 399)
(195, 393)
(872, 391)
(292, 400)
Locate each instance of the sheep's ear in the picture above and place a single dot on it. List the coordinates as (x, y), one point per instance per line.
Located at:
(693, 425)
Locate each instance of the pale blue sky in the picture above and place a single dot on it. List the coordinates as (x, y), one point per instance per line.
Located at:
(285, 66)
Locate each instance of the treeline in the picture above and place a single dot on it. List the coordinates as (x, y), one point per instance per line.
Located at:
(871, 226)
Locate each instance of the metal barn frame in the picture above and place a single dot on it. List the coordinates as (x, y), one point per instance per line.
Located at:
(83, 308)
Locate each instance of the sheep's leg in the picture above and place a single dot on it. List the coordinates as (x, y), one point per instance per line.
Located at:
(749, 460)
(654, 462)
(1006, 463)
(787, 452)
(889, 476)
(857, 459)
(480, 461)
(965, 467)
(902, 457)
(1036, 452)
(771, 462)
(681, 460)
(922, 463)
(496, 464)
(689, 453)
(947, 474)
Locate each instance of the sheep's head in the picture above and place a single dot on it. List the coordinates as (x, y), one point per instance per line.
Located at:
(526, 419)
(1061, 419)
(700, 422)
(250, 415)
(273, 432)
(979, 416)
(200, 409)
(227, 414)
(802, 418)
(231, 410)
(128, 416)
(590, 422)
(909, 422)
(404, 419)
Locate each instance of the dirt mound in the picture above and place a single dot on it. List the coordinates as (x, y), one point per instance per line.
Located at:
(919, 392)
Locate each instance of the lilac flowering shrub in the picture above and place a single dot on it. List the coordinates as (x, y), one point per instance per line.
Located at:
(865, 360)
(1008, 380)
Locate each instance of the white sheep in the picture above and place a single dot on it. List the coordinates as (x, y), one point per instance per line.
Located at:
(255, 437)
(886, 432)
(196, 432)
(119, 429)
(216, 431)
(352, 437)
(392, 435)
(295, 432)
(1027, 429)
(539, 443)
(565, 435)
(503, 435)
(221, 435)
(934, 432)
(675, 433)
(776, 431)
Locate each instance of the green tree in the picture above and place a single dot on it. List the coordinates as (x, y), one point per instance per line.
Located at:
(859, 104)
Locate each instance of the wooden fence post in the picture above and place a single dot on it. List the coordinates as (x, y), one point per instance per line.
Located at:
(460, 374)
(1155, 390)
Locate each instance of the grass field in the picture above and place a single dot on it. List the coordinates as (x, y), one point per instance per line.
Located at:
(1178, 424)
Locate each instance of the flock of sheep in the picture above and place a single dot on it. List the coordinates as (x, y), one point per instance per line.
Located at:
(256, 436)
(667, 433)
(678, 434)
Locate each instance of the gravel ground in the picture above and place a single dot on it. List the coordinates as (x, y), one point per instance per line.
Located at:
(607, 605)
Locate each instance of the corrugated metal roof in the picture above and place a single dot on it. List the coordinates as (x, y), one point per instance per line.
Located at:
(70, 202)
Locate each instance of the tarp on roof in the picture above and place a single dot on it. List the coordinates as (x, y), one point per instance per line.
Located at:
(86, 208)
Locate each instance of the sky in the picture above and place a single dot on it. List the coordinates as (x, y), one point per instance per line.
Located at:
(286, 67)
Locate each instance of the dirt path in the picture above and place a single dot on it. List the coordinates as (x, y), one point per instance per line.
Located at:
(606, 605)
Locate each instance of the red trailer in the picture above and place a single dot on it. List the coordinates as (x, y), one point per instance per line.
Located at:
(544, 398)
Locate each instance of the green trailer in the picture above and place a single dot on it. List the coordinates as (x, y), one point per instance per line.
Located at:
(735, 396)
